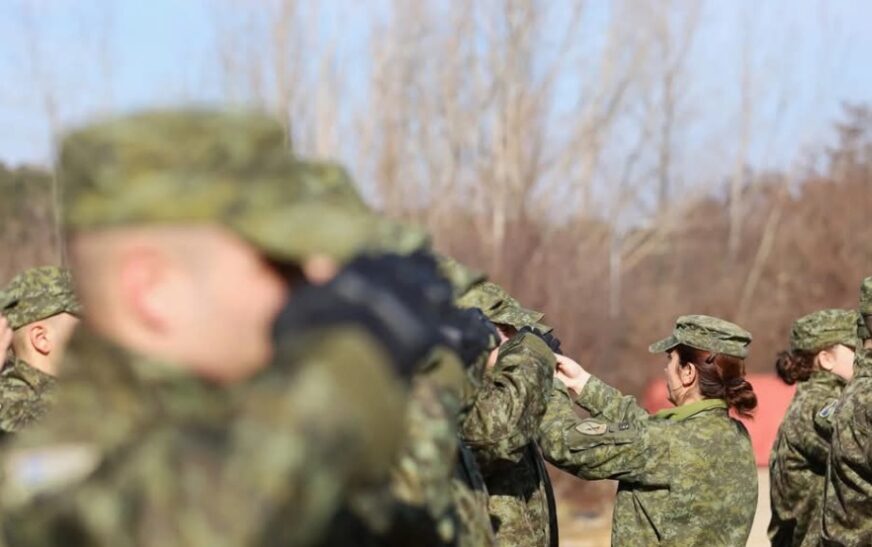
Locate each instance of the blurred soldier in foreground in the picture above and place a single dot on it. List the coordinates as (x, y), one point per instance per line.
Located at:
(847, 505)
(820, 361)
(188, 232)
(42, 312)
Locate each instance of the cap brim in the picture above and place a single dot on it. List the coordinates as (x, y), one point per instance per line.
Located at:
(543, 328)
(664, 345)
(517, 317)
(400, 238)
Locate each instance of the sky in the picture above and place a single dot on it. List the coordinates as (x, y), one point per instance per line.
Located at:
(65, 61)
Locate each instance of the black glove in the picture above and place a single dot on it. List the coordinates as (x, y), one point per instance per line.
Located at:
(399, 300)
(547, 337)
(469, 333)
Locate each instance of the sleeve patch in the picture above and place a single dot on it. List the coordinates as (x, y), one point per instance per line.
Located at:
(30, 472)
(592, 428)
(828, 410)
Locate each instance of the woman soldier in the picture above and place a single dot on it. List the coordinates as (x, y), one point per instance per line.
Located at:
(686, 475)
(821, 361)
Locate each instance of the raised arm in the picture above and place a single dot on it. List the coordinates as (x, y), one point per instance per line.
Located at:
(600, 449)
(507, 409)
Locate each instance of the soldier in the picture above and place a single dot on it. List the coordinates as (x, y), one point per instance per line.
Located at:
(437, 492)
(42, 311)
(820, 361)
(181, 223)
(523, 511)
(502, 418)
(847, 511)
(686, 475)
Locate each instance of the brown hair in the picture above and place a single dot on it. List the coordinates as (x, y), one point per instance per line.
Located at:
(794, 366)
(721, 377)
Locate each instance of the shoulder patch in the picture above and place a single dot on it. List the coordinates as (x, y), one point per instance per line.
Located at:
(589, 427)
(33, 471)
(828, 410)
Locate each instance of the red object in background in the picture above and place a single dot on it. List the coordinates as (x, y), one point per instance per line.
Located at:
(773, 398)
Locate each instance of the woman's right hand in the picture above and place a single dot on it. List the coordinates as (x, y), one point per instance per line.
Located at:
(571, 373)
(5, 338)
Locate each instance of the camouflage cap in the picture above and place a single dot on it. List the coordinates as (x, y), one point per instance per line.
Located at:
(706, 333)
(461, 277)
(38, 293)
(400, 237)
(822, 329)
(198, 166)
(330, 182)
(498, 306)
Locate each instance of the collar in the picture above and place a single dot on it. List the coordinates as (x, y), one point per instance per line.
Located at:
(145, 385)
(683, 412)
(863, 362)
(823, 378)
(89, 352)
(18, 369)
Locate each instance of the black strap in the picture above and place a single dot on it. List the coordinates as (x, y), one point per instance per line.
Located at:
(467, 470)
(545, 479)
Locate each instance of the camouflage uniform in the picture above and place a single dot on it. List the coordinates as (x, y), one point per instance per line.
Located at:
(686, 475)
(798, 463)
(169, 459)
(501, 424)
(26, 394)
(33, 295)
(437, 493)
(432, 495)
(847, 510)
(469, 489)
(141, 452)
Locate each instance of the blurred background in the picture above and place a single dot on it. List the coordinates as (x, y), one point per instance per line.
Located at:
(613, 164)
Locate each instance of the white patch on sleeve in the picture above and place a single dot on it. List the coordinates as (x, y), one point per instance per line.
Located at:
(592, 428)
(33, 471)
(828, 410)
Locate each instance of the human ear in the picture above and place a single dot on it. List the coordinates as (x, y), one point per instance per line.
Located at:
(826, 359)
(143, 278)
(40, 339)
(688, 374)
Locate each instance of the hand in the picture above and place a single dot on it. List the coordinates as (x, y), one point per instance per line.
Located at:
(571, 373)
(399, 300)
(5, 338)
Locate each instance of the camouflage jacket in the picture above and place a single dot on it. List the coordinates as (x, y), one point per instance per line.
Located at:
(501, 426)
(429, 501)
(847, 511)
(798, 462)
(686, 476)
(139, 452)
(26, 394)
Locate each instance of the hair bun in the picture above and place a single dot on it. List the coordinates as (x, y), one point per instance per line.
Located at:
(792, 367)
(740, 396)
